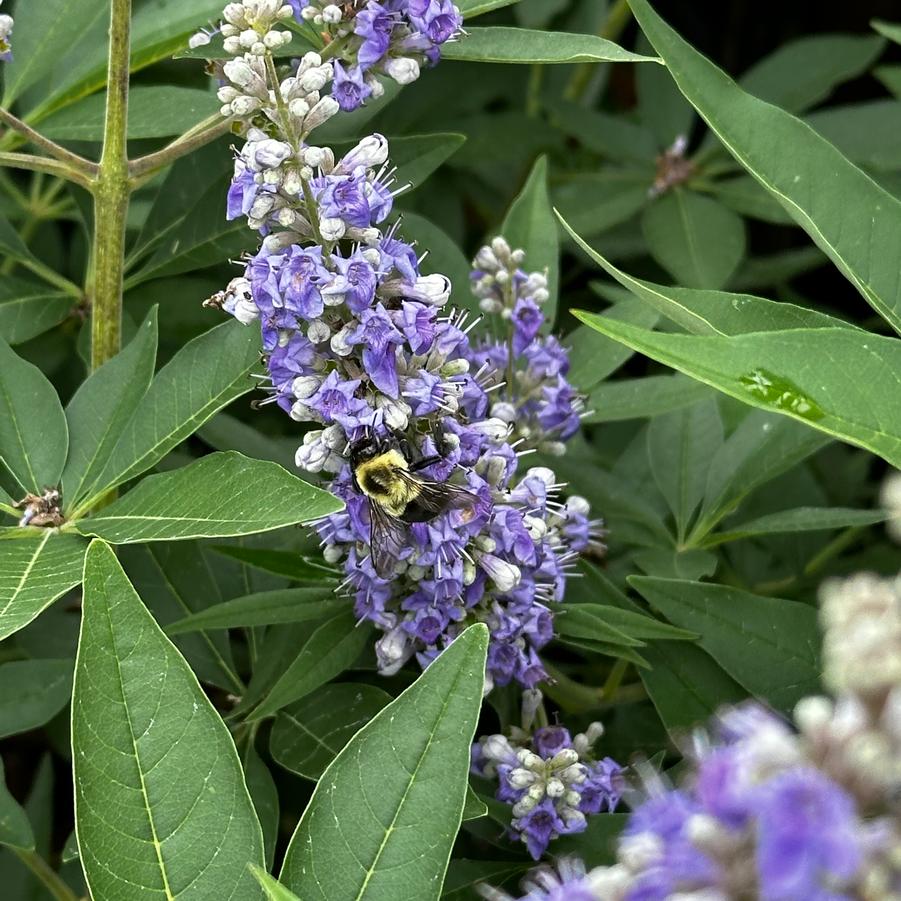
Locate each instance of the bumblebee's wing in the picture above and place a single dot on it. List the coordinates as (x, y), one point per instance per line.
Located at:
(387, 538)
(436, 497)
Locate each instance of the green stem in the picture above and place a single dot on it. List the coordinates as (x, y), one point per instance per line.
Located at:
(73, 160)
(53, 278)
(43, 164)
(48, 876)
(190, 141)
(111, 196)
(613, 27)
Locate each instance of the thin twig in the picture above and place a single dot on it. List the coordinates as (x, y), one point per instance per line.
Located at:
(43, 164)
(187, 143)
(48, 876)
(77, 162)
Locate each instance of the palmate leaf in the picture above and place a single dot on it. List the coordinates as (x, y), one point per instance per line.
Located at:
(101, 407)
(709, 312)
(783, 372)
(205, 375)
(32, 692)
(856, 223)
(308, 735)
(34, 572)
(142, 726)
(768, 645)
(500, 44)
(220, 495)
(33, 433)
(375, 826)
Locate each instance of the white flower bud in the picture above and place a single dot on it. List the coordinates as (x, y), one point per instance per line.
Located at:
(315, 79)
(331, 14)
(490, 306)
(320, 113)
(486, 260)
(300, 412)
(318, 331)
(234, 14)
(469, 572)
(555, 788)
(232, 44)
(332, 229)
(243, 106)
(813, 715)
(339, 342)
(493, 429)
(521, 808)
(501, 249)
(393, 650)
(504, 411)
(578, 505)
(640, 851)
(332, 553)
(298, 108)
(371, 151)
(433, 289)
(403, 69)
(535, 526)
(498, 748)
(248, 38)
(566, 757)
(201, 39)
(505, 575)
(311, 457)
(227, 93)
(552, 448)
(520, 778)
(305, 386)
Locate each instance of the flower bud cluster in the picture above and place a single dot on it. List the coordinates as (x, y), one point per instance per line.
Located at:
(6, 30)
(550, 779)
(530, 369)
(566, 880)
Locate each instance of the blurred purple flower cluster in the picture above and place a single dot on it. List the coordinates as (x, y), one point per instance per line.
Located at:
(6, 30)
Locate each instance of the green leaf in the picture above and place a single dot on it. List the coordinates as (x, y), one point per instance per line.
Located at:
(33, 434)
(644, 397)
(161, 808)
(680, 446)
(308, 735)
(593, 357)
(264, 795)
(890, 76)
(11, 244)
(803, 72)
(531, 226)
(158, 28)
(744, 195)
(44, 32)
(661, 106)
(32, 692)
(100, 409)
(856, 223)
(274, 890)
(328, 651)
(583, 620)
(782, 372)
(15, 830)
(686, 686)
(397, 842)
(713, 312)
(762, 447)
(464, 875)
(472, 8)
(768, 645)
(154, 111)
(445, 257)
(889, 29)
(174, 580)
(34, 572)
(289, 564)
(203, 377)
(473, 808)
(228, 433)
(500, 44)
(591, 625)
(288, 605)
(696, 239)
(866, 133)
(30, 308)
(597, 844)
(596, 201)
(801, 519)
(220, 495)
(614, 137)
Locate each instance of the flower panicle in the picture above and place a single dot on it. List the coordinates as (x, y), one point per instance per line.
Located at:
(6, 30)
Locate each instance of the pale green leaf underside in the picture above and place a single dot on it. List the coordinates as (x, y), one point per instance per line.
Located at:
(856, 223)
(500, 44)
(34, 572)
(221, 495)
(376, 827)
(162, 811)
(802, 373)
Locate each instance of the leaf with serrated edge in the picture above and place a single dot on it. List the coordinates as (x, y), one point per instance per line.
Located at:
(15, 830)
(205, 375)
(768, 645)
(220, 495)
(855, 222)
(708, 312)
(141, 725)
(375, 826)
(308, 735)
(33, 434)
(101, 407)
(34, 572)
(799, 373)
(500, 44)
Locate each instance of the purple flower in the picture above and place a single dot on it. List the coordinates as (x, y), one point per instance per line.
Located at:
(540, 825)
(377, 334)
(297, 6)
(349, 87)
(355, 283)
(527, 320)
(550, 740)
(399, 255)
(242, 191)
(438, 19)
(807, 838)
(417, 322)
(335, 401)
(374, 25)
(300, 278)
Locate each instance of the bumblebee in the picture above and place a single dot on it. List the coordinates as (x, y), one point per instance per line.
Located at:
(397, 495)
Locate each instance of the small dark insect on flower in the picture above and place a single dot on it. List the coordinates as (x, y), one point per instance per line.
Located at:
(41, 509)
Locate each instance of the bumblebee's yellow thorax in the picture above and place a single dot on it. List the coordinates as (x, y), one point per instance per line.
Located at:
(378, 479)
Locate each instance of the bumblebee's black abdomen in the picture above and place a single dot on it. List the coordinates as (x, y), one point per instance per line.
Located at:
(418, 512)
